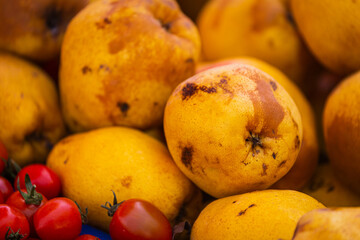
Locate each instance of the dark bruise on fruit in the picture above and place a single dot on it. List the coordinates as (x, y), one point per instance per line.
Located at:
(124, 107)
(186, 156)
(189, 60)
(102, 24)
(86, 69)
(297, 142)
(273, 85)
(191, 88)
(264, 167)
(282, 164)
(274, 155)
(126, 181)
(266, 107)
(242, 212)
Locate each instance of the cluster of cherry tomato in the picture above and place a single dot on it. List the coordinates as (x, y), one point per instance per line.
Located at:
(36, 210)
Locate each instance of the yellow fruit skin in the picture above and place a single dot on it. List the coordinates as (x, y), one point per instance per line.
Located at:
(325, 224)
(307, 159)
(35, 29)
(120, 61)
(127, 161)
(331, 29)
(265, 215)
(328, 190)
(253, 28)
(30, 116)
(232, 129)
(341, 128)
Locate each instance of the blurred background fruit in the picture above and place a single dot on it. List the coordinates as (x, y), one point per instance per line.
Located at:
(35, 29)
(30, 117)
(262, 29)
(266, 214)
(341, 130)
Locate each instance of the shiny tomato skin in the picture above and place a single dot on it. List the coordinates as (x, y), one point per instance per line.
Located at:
(58, 219)
(46, 180)
(17, 201)
(140, 220)
(87, 237)
(2, 200)
(12, 217)
(3, 155)
(5, 188)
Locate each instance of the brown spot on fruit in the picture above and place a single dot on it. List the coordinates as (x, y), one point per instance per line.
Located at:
(242, 212)
(102, 24)
(53, 20)
(166, 26)
(189, 60)
(297, 142)
(66, 160)
(86, 69)
(274, 155)
(265, 104)
(208, 89)
(281, 164)
(126, 181)
(273, 85)
(264, 167)
(186, 156)
(123, 106)
(189, 90)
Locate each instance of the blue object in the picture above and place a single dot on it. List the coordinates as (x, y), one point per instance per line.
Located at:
(86, 229)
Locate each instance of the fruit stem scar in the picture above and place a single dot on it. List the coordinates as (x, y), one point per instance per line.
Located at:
(255, 141)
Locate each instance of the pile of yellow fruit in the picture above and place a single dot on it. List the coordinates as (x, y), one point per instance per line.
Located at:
(244, 120)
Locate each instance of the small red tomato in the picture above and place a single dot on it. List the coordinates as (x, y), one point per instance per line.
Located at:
(3, 156)
(2, 200)
(13, 222)
(5, 188)
(28, 201)
(87, 237)
(58, 219)
(46, 180)
(138, 219)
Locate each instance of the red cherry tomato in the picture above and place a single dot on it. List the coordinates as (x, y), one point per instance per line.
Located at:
(87, 237)
(17, 201)
(3, 155)
(5, 188)
(2, 200)
(58, 219)
(141, 220)
(13, 218)
(46, 180)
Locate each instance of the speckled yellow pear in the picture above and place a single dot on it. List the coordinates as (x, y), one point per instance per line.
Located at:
(35, 29)
(127, 161)
(307, 159)
(232, 129)
(263, 29)
(331, 223)
(327, 189)
(30, 116)
(331, 29)
(120, 61)
(265, 215)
